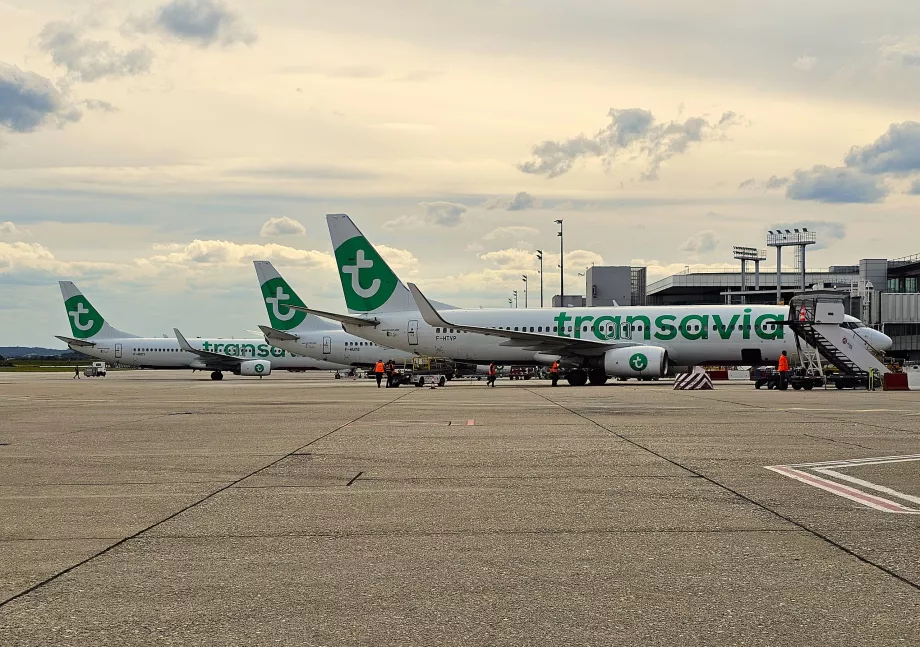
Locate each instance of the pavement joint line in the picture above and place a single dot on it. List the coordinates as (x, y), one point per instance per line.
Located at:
(489, 533)
(109, 484)
(834, 440)
(762, 506)
(188, 507)
(354, 478)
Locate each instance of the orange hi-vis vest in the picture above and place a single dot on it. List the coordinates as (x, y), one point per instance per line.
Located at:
(492, 370)
(783, 363)
(554, 368)
(379, 368)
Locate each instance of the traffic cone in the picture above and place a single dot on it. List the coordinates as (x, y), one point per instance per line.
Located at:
(802, 314)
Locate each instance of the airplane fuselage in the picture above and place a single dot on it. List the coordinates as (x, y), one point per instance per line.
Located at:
(164, 352)
(691, 334)
(339, 347)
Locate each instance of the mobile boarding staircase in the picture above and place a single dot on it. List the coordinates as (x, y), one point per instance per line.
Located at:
(815, 319)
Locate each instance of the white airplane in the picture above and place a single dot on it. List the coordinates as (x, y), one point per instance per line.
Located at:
(295, 331)
(251, 357)
(591, 344)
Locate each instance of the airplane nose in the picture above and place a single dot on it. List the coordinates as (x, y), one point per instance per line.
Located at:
(884, 341)
(881, 341)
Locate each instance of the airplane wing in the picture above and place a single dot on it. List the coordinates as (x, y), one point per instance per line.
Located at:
(277, 335)
(537, 342)
(70, 341)
(346, 319)
(211, 360)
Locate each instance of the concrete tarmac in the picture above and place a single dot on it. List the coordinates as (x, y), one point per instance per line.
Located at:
(160, 508)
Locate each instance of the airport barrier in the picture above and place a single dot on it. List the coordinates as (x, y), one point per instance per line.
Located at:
(696, 381)
(718, 374)
(896, 382)
(739, 375)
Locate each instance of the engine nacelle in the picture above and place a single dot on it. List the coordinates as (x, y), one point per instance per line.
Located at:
(636, 361)
(255, 367)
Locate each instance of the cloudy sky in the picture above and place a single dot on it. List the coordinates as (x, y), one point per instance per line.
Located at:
(151, 149)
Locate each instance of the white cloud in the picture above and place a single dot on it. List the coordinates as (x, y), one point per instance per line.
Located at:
(701, 243)
(89, 60)
(521, 202)
(29, 101)
(438, 214)
(223, 252)
(903, 52)
(284, 226)
(805, 63)
(400, 260)
(201, 22)
(631, 130)
(511, 232)
(9, 229)
(835, 185)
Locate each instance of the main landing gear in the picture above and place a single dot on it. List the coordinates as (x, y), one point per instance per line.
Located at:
(217, 376)
(597, 377)
(576, 378)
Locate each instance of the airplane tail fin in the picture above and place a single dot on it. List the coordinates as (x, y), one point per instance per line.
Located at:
(369, 285)
(85, 320)
(278, 297)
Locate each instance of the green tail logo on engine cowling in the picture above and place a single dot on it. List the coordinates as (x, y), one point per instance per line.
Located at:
(278, 297)
(85, 320)
(367, 281)
(638, 362)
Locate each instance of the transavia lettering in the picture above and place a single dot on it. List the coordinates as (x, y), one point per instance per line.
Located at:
(667, 327)
(243, 350)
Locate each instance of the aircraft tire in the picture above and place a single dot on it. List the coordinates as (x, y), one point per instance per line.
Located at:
(576, 378)
(217, 376)
(597, 378)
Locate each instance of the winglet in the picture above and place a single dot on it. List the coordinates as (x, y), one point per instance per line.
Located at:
(277, 335)
(429, 314)
(183, 342)
(345, 319)
(70, 341)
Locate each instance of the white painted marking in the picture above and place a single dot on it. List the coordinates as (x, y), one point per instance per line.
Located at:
(469, 423)
(869, 485)
(829, 468)
(872, 501)
(860, 461)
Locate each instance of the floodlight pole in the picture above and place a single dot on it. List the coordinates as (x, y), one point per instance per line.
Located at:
(561, 265)
(540, 256)
(779, 274)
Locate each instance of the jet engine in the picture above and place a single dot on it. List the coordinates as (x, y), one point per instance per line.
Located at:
(255, 367)
(636, 361)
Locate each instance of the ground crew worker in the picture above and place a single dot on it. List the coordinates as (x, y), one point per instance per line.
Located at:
(76, 372)
(554, 372)
(493, 373)
(391, 372)
(379, 369)
(783, 369)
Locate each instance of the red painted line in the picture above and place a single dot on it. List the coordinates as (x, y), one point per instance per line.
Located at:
(842, 490)
(469, 423)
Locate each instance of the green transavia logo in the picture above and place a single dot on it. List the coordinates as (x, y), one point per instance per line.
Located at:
(260, 368)
(85, 321)
(278, 298)
(638, 362)
(366, 279)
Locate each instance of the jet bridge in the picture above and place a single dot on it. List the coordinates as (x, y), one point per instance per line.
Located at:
(816, 320)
